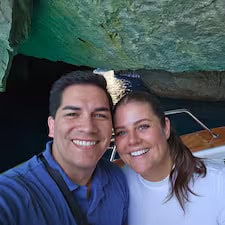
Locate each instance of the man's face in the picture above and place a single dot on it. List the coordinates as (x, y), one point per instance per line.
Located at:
(82, 128)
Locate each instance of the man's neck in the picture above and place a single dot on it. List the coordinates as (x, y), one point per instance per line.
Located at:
(80, 176)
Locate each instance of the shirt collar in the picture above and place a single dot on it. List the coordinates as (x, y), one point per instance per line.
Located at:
(99, 180)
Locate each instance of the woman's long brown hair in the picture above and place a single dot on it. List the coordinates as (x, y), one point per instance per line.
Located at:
(186, 166)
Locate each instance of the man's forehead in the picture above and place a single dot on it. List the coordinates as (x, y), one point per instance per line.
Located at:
(81, 95)
(82, 89)
(81, 107)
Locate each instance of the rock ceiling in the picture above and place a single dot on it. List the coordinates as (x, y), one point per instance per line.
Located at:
(176, 36)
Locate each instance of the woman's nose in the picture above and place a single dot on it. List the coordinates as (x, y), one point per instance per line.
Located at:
(133, 138)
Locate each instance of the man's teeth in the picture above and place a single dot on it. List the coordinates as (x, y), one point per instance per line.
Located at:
(84, 143)
(140, 152)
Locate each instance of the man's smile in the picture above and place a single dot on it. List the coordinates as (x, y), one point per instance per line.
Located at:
(84, 143)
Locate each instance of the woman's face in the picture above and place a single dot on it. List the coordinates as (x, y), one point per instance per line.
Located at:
(142, 141)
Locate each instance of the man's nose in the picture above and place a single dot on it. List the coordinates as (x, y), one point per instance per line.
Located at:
(87, 124)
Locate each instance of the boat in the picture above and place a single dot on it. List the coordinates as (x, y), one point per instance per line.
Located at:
(204, 143)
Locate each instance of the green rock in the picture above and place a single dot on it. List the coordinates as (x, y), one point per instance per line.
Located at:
(167, 35)
(174, 35)
(15, 22)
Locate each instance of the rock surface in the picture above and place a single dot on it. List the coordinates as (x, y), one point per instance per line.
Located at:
(190, 85)
(173, 35)
(15, 23)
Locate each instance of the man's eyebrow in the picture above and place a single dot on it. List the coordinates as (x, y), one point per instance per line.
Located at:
(70, 107)
(102, 109)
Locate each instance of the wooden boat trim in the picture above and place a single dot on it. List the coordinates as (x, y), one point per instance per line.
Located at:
(202, 139)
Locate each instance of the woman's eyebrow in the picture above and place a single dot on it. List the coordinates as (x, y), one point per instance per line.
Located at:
(135, 123)
(141, 120)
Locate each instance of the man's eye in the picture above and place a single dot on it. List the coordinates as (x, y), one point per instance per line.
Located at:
(99, 115)
(143, 126)
(120, 133)
(72, 114)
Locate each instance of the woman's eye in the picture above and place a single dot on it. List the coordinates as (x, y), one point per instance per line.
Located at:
(143, 127)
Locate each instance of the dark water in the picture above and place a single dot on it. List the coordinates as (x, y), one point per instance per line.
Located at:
(24, 110)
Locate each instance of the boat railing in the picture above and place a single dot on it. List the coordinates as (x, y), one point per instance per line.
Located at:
(113, 155)
(177, 111)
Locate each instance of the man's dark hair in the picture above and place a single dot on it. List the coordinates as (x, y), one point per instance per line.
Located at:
(73, 78)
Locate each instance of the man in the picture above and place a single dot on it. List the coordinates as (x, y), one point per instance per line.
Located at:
(45, 189)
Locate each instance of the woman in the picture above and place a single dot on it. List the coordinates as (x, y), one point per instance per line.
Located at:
(168, 185)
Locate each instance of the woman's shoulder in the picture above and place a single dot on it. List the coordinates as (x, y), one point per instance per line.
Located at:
(215, 173)
(129, 173)
(214, 167)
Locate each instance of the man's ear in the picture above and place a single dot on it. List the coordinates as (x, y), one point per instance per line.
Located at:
(51, 127)
(167, 127)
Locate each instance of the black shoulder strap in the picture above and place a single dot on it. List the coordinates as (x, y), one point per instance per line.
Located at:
(70, 198)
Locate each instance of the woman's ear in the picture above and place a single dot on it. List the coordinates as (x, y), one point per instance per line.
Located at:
(167, 127)
(51, 127)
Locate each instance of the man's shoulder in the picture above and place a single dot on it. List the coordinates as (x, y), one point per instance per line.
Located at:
(20, 172)
(113, 171)
(105, 163)
(114, 177)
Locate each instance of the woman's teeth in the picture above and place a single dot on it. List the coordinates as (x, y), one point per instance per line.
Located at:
(140, 152)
